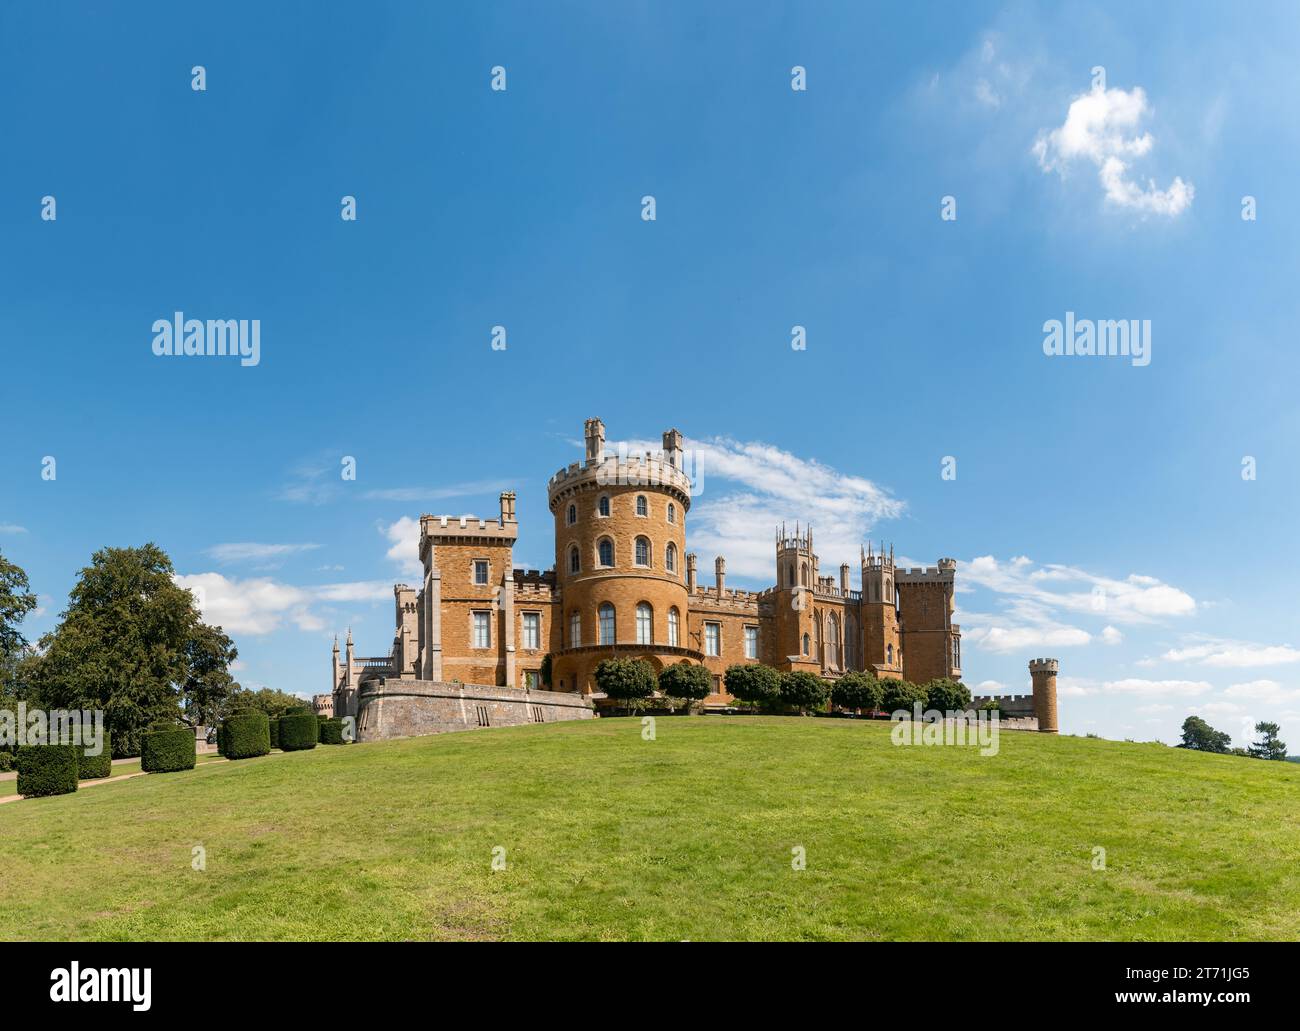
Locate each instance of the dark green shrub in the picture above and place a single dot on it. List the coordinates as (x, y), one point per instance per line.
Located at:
(901, 694)
(247, 734)
(6, 761)
(331, 731)
(857, 691)
(166, 751)
(947, 695)
(96, 767)
(47, 770)
(626, 680)
(298, 731)
(804, 691)
(754, 683)
(275, 732)
(682, 680)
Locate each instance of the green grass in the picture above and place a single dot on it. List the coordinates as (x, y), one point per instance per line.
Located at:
(608, 836)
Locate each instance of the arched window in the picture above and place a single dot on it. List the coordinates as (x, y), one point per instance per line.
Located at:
(833, 641)
(573, 514)
(642, 506)
(644, 624)
(672, 627)
(803, 574)
(643, 551)
(805, 644)
(606, 547)
(889, 654)
(575, 629)
(672, 512)
(606, 613)
(670, 557)
(602, 506)
(575, 559)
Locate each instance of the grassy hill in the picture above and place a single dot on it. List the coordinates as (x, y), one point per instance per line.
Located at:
(607, 836)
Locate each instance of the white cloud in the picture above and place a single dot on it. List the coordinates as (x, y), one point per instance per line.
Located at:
(1134, 685)
(12, 528)
(1234, 654)
(261, 605)
(1101, 127)
(1109, 635)
(1268, 691)
(246, 552)
(1023, 638)
(404, 537)
(455, 490)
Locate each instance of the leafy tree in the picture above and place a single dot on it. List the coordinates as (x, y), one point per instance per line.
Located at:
(130, 642)
(626, 680)
(1201, 737)
(901, 694)
(544, 671)
(753, 683)
(857, 691)
(947, 695)
(16, 600)
(207, 682)
(1268, 746)
(804, 691)
(268, 700)
(682, 680)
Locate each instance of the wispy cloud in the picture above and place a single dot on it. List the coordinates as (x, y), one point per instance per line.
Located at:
(423, 494)
(12, 528)
(252, 552)
(1232, 654)
(260, 605)
(1101, 127)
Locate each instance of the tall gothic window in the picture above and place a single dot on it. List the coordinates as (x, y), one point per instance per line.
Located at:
(606, 613)
(575, 560)
(573, 514)
(575, 629)
(672, 627)
(644, 624)
(670, 558)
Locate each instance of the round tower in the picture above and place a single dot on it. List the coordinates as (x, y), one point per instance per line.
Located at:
(1043, 672)
(620, 558)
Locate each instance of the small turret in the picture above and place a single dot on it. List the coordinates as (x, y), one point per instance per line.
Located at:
(595, 433)
(1043, 673)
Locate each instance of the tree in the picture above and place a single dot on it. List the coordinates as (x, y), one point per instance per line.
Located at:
(857, 691)
(1268, 746)
(544, 671)
(682, 680)
(947, 695)
(804, 691)
(16, 600)
(900, 694)
(626, 680)
(754, 683)
(207, 682)
(129, 643)
(267, 699)
(1201, 737)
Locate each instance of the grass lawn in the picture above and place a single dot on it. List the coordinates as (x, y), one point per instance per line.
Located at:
(122, 769)
(607, 836)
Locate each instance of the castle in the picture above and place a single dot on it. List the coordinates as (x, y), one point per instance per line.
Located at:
(623, 584)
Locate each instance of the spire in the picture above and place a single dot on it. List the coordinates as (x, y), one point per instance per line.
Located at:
(336, 644)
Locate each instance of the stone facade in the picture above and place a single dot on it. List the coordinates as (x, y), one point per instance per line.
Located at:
(624, 584)
(389, 708)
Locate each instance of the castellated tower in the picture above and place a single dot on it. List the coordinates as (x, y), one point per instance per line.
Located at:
(1043, 673)
(882, 634)
(931, 640)
(620, 549)
(793, 612)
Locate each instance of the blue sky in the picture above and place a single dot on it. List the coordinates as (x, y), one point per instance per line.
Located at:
(1099, 511)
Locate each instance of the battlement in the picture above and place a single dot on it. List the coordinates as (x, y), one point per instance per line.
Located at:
(652, 469)
(940, 574)
(731, 597)
(534, 583)
(1045, 666)
(441, 527)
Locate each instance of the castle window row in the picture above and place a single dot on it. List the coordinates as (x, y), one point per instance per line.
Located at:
(607, 630)
(643, 555)
(604, 507)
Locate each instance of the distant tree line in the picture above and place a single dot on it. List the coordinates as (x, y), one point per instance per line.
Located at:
(1199, 736)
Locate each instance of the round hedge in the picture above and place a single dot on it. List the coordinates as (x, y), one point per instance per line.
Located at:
(166, 751)
(298, 731)
(47, 770)
(331, 731)
(247, 734)
(96, 767)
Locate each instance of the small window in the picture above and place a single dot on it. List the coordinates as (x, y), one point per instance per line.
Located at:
(575, 560)
(889, 654)
(531, 681)
(672, 627)
(712, 638)
(532, 630)
(805, 644)
(602, 506)
(606, 552)
(573, 514)
(670, 558)
(644, 624)
(606, 613)
(575, 630)
(643, 551)
(642, 506)
(480, 572)
(751, 642)
(672, 512)
(482, 630)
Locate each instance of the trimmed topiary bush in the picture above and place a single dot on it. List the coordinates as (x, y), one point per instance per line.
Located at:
(168, 750)
(248, 734)
(754, 683)
(47, 770)
(804, 691)
(298, 731)
(631, 681)
(96, 767)
(275, 732)
(6, 761)
(687, 682)
(331, 731)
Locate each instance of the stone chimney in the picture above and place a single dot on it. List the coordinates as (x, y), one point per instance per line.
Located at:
(507, 507)
(690, 573)
(720, 573)
(595, 431)
(673, 448)
(844, 578)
